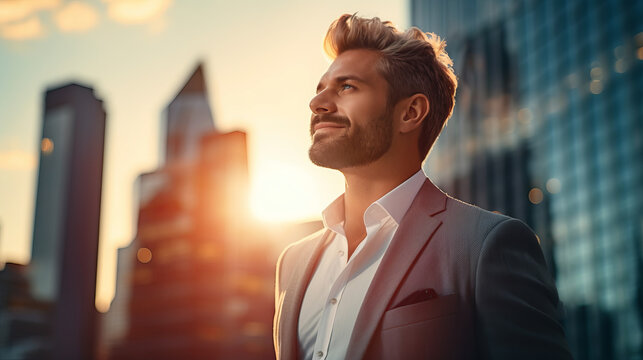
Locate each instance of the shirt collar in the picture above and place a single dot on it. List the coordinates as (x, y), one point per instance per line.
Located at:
(333, 215)
(395, 203)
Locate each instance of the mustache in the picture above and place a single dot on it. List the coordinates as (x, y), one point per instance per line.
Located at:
(330, 118)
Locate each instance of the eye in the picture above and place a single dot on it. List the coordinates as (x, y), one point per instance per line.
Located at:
(347, 87)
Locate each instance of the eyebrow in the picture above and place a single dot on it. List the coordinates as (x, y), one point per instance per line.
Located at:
(343, 78)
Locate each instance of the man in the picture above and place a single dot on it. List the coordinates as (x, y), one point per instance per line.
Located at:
(402, 270)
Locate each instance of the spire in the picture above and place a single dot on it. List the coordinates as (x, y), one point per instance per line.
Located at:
(188, 118)
(196, 84)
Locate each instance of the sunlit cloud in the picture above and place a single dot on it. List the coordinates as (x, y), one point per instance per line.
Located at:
(76, 16)
(26, 29)
(17, 160)
(16, 10)
(136, 11)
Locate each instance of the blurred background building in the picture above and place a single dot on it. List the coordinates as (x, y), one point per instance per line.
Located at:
(197, 281)
(547, 128)
(48, 308)
(25, 324)
(187, 279)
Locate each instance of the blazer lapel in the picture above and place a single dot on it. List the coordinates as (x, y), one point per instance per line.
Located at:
(412, 236)
(294, 296)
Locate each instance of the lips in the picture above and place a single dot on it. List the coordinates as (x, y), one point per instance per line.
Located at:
(327, 125)
(329, 122)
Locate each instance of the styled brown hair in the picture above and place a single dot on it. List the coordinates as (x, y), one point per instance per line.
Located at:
(412, 62)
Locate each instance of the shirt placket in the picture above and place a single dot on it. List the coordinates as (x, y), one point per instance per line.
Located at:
(332, 301)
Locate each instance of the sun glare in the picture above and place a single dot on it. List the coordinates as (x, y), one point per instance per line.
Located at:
(282, 192)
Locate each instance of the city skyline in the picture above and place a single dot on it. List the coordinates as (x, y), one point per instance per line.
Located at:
(135, 64)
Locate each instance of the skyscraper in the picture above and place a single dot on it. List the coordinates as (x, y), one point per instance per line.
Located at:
(187, 118)
(67, 216)
(547, 128)
(196, 287)
(24, 321)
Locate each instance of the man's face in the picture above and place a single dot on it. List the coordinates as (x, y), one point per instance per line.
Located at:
(351, 124)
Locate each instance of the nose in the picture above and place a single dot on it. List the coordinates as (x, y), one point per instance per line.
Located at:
(322, 104)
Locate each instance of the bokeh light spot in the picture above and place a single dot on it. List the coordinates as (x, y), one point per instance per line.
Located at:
(596, 73)
(144, 255)
(535, 196)
(553, 185)
(47, 146)
(596, 87)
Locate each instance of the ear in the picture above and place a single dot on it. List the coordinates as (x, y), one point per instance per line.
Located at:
(414, 109)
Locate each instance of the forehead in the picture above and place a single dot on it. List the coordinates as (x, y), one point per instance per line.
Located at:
(361, 63)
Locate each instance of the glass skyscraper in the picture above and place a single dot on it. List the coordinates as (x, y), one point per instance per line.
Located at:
(548, 127)
(64, 254)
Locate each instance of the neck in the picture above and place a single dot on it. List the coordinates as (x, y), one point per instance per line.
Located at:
(364, 185)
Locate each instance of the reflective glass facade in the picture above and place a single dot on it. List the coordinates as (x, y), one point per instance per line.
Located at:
(548, 128)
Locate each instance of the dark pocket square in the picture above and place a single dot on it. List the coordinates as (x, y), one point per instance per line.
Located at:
(416, 297)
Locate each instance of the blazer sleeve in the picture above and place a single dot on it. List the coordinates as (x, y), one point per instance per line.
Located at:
(517, 305)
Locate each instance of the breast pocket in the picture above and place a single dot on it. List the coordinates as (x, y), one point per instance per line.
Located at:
(419, 312)
(420, 331)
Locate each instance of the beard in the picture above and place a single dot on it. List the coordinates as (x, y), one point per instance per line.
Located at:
(356, 146)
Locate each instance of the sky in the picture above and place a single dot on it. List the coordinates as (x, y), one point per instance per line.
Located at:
(262, 61)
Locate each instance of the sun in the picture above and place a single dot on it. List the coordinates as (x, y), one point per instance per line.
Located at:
(283, 192)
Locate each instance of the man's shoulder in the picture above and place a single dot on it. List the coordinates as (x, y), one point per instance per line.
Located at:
(468, 218)
(474, 231)
(461, 210)
(303, 246)
(461, 216)
(296, 255)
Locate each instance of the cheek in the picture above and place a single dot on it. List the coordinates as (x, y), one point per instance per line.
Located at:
(364, 107)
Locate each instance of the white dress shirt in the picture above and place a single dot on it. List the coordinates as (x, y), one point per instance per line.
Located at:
(337, 288)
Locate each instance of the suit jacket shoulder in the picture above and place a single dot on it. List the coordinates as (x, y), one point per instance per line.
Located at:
(477, 222)
(295, 251)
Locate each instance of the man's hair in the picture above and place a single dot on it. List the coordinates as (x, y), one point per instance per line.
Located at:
(412, 62)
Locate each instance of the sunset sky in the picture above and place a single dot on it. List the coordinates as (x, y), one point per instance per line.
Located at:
(262, 62)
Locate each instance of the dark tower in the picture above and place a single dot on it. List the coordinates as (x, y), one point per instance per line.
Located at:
(67, 217)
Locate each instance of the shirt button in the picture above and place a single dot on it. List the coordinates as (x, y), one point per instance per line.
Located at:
(333, 301)
(340, 253)
(320, 353)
